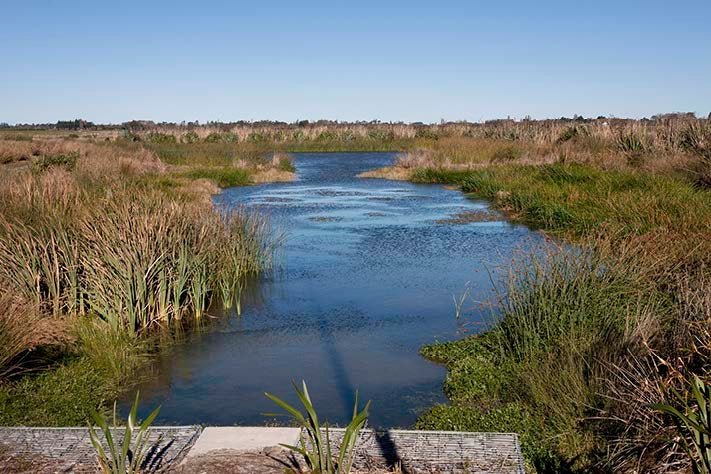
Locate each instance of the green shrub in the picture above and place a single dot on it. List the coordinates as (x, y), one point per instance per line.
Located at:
(156, 137)
(64, 160)
(571, 133)
(286, 164)
(190, 137)
(631, 143)
(223, 177)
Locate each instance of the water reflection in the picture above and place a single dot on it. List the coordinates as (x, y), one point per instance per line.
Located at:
(369, 270)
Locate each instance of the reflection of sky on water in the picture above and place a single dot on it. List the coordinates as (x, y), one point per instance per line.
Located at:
(368, 277)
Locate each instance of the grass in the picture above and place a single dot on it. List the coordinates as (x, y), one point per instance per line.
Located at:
(575, 323)
(223, 177)
(586, 337)
(577, 199)
(102, 248)
(63, 396)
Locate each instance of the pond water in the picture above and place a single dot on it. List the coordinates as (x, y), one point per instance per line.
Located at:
(368, 271)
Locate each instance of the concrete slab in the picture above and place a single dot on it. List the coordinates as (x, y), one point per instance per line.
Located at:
(242, 438)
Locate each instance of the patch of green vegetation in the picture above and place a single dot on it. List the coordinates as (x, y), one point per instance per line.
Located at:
(43, 163)
(507, 418)
(286, 164)
(569, 315)
(103, 363)
(577, 199)
(63, 396)
(156, 137)
(223, 177)
(18, 137)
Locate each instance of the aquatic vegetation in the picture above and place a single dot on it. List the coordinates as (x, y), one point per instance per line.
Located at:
(137, 260)
(97, 257)
(577, 327)
(315, 447)
(223, 177)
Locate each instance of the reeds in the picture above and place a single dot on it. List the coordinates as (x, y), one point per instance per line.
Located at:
(136, 260)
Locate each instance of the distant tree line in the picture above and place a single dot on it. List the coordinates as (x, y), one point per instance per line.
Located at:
(144, 125)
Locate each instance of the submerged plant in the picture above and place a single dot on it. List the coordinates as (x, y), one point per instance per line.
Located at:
(127, 457)
(317, 451)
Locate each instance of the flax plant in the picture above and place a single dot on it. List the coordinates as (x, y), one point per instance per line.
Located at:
(315, 446)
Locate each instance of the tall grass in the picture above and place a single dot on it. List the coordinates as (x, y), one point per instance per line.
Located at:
(136, 260)
(591, 335)
(97, 256)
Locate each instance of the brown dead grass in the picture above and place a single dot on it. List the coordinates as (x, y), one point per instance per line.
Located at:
(397, 173)
(272, 175)
(23, 329)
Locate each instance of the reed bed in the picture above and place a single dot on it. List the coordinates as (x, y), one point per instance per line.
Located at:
(99, 255)
(136, 260)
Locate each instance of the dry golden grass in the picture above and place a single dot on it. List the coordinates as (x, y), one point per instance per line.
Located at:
(388, 172)
(23, 329)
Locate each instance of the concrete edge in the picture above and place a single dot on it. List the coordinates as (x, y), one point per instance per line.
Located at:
(241, 438)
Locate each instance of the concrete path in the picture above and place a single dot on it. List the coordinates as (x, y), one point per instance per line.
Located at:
(242, 438)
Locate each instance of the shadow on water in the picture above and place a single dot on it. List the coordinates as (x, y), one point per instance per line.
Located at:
(366, 277)
(346, 391)
(343, 383)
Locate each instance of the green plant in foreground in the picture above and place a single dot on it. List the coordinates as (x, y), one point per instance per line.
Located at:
(127, 457)
(694, 424)
(318, 455)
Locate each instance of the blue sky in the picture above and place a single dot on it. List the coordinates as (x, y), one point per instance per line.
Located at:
(356, 60)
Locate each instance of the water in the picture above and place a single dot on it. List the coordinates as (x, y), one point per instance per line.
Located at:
(368, 277)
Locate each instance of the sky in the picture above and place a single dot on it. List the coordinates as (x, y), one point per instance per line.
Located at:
(388, 60)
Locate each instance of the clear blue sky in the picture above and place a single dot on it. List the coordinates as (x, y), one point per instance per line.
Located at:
(356, 60)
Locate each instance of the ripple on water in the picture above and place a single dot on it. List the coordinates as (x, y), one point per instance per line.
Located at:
(367, 276)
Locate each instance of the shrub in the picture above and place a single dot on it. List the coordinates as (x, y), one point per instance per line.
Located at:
(572, 133)
(64, 160)
(631, 143)
(156, 137)
(190, 137)
(223, 177)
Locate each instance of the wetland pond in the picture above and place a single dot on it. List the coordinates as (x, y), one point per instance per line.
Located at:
(367, 274)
